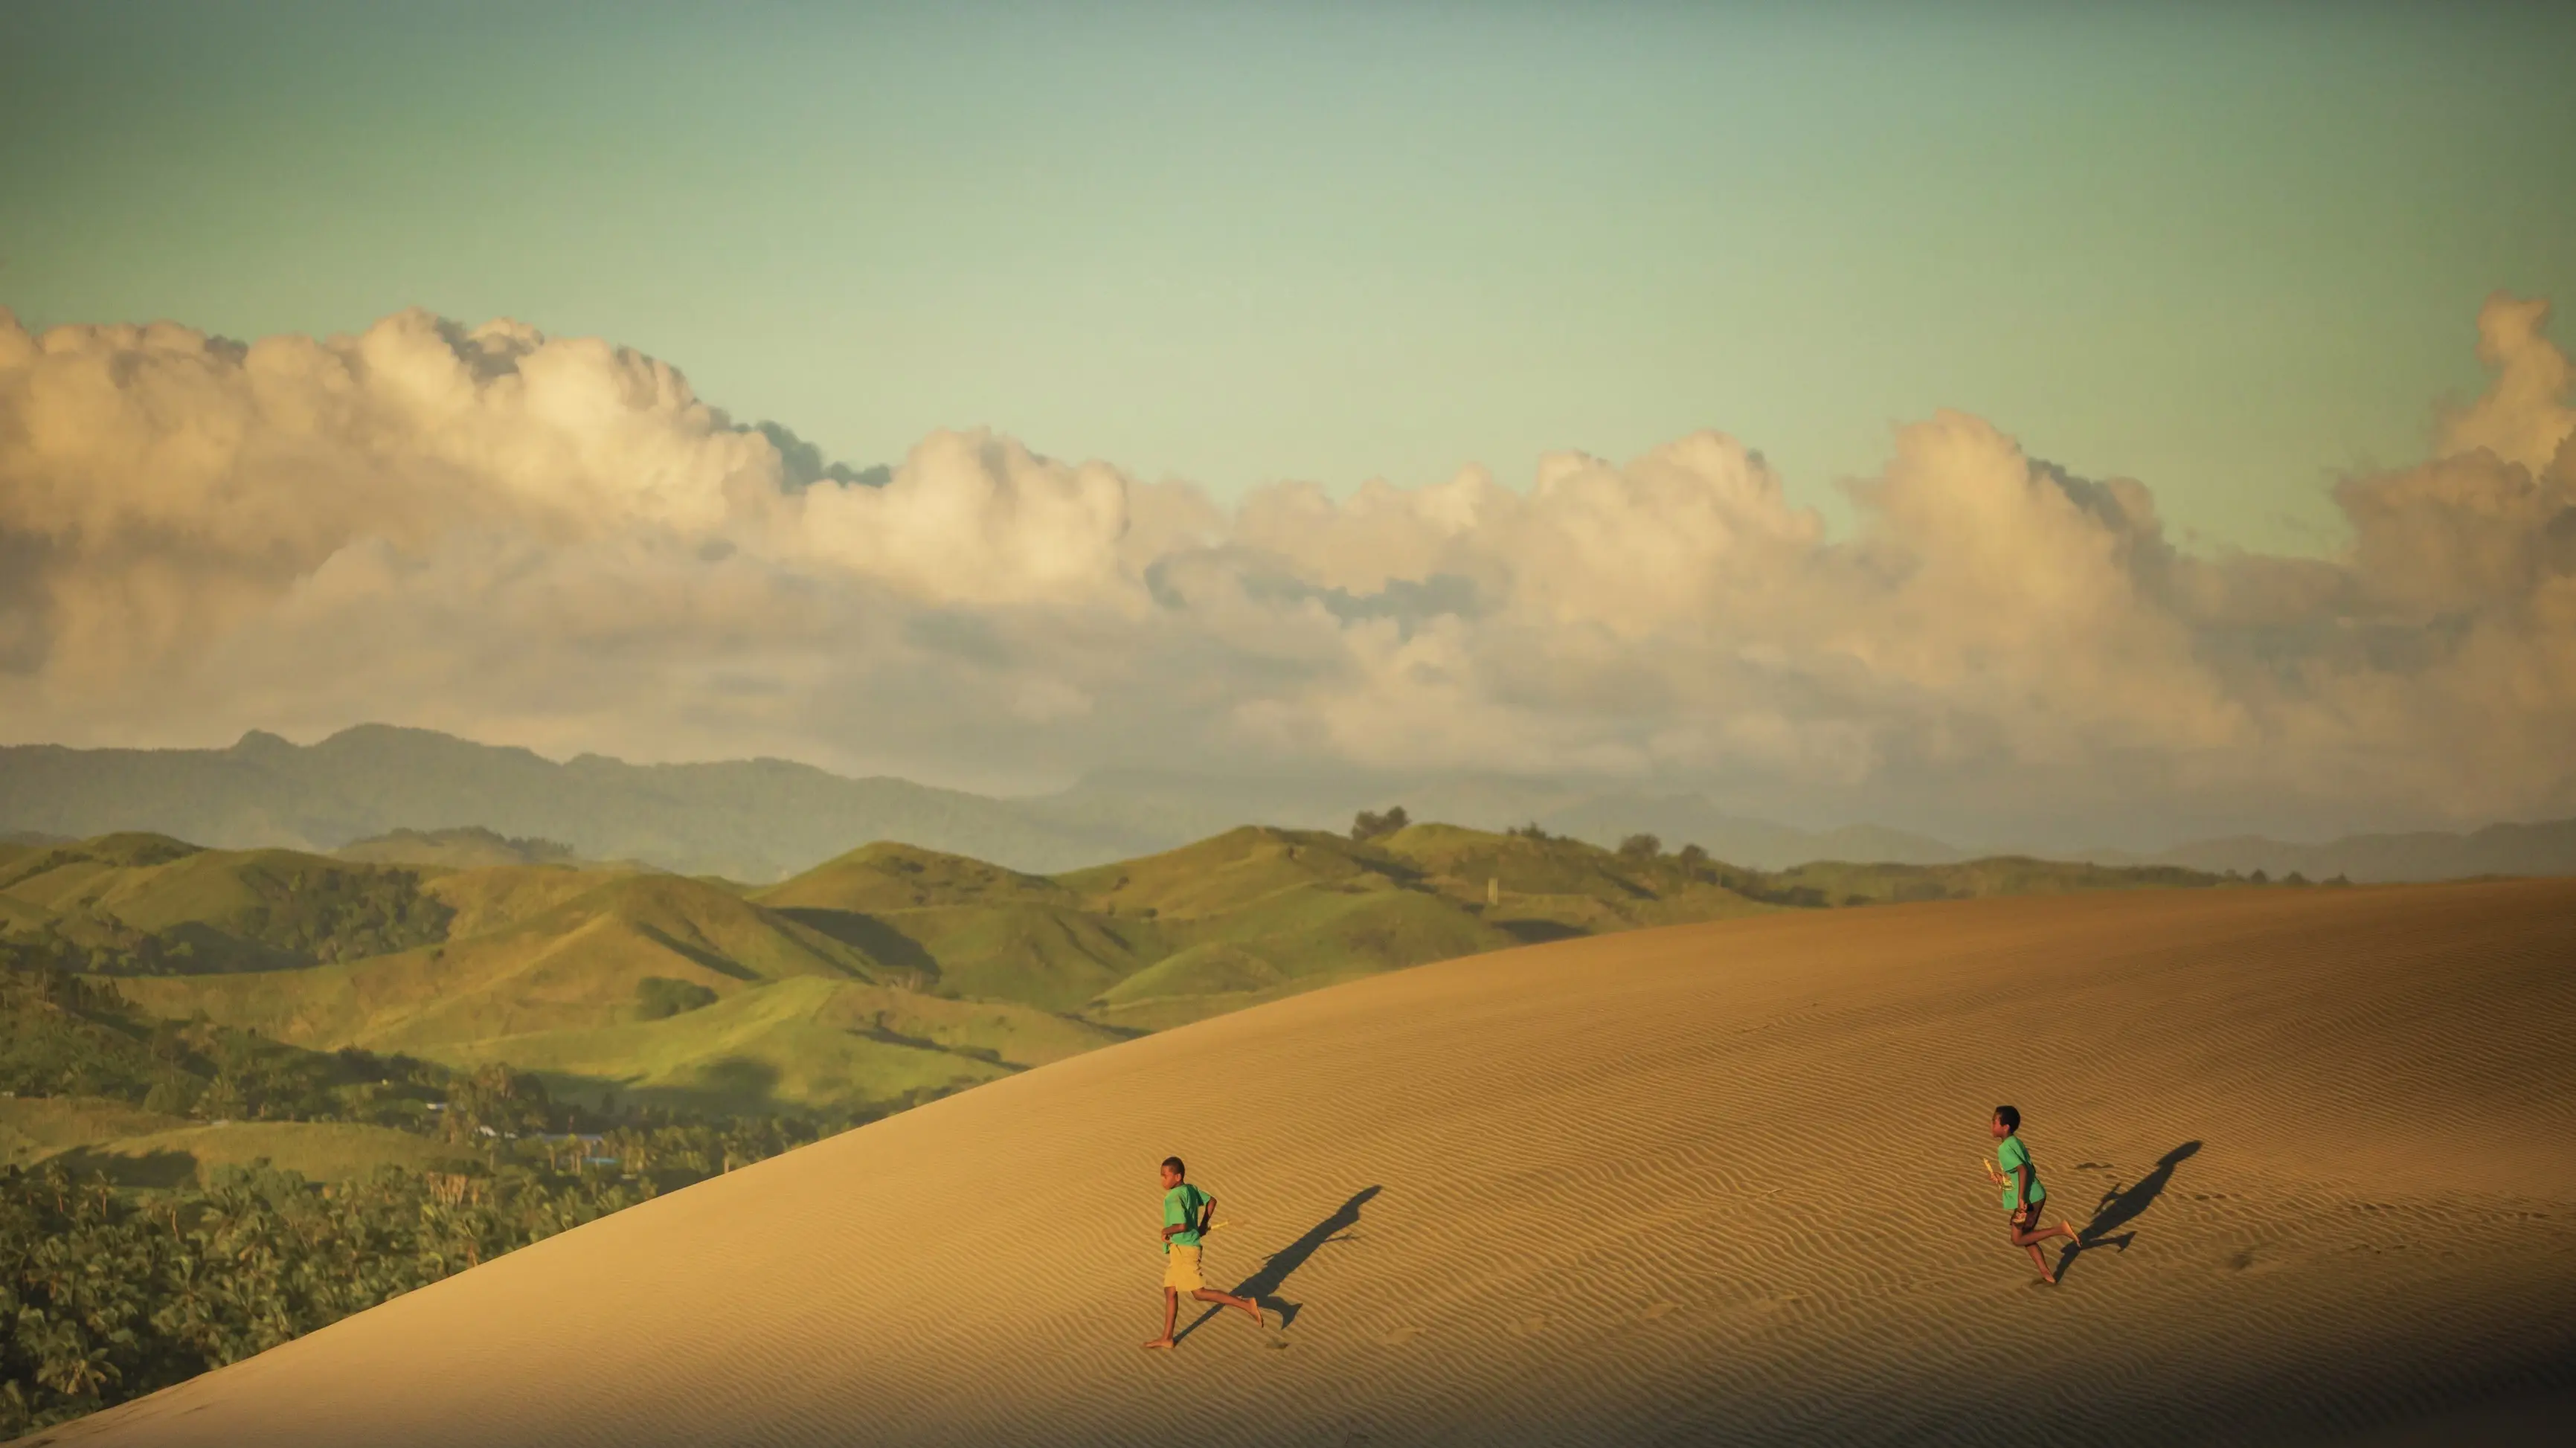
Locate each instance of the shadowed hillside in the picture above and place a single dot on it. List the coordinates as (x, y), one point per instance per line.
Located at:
(1711, 1184)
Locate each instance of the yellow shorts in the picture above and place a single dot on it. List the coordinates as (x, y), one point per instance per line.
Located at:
(1181, 1269)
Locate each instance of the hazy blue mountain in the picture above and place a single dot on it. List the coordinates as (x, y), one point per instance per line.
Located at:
(763, 819)
(1177, 808)
(755, 820)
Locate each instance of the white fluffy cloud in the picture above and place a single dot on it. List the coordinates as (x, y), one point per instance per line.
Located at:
(552, 541)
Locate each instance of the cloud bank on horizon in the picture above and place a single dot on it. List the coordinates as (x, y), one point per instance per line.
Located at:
(552, 541)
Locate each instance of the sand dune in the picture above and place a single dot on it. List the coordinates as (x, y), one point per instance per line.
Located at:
(1714, 1183)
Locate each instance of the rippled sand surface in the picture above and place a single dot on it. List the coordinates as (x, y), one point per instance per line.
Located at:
(1709, 1184)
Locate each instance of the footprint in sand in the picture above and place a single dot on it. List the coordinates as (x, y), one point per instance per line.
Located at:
(2250, 1265)
(1401, 1336)
(1530, 1326)
(1660, 1309)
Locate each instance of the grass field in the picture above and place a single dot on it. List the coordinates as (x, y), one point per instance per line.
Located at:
(322, 1151)
(35, 1127)
(134, 1147)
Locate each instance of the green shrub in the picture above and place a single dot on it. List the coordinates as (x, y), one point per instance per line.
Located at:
(659, 996)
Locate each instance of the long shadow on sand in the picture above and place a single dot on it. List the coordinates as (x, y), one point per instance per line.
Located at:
(2121, 1205)
(1263, 1286)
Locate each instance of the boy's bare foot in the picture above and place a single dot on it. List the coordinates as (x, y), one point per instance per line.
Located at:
(2047, 1276)
(1254, 1309)
(1164, 1343)
(2073, 1236)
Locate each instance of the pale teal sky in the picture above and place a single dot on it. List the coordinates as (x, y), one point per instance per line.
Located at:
(2231, 250)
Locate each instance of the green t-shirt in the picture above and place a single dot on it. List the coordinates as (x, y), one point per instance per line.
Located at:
(1182, 1204)
(2012, 1154)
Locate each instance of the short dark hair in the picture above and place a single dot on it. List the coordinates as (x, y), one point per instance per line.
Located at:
(1174, 1163)
(2009, 1117)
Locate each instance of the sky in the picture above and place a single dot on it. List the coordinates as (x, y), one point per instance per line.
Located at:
(1976, 417)
(2228, 250)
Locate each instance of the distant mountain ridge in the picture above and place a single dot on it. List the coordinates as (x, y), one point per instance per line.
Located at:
(762, 820)
(758, 820)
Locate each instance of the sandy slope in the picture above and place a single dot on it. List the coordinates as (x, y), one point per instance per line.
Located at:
(1712, 1183)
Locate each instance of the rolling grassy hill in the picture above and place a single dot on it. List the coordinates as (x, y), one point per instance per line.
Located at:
(575, 975)
(879, 978)
(1248, 915)
(1257, 913)
(140, 902)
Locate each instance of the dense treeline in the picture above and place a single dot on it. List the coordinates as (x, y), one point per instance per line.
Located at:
(65, 1035)
(107, 1293)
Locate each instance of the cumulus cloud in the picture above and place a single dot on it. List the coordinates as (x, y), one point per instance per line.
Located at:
(552, 541)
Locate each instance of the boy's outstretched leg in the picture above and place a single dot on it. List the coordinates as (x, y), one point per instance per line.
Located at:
(2031, 1240)
(1250, 1307)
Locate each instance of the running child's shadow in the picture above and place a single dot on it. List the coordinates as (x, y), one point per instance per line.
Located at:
(1263, 1286)
(2121, 1205)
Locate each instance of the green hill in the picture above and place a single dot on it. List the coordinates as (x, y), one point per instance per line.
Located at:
(888, 876)
(1238, 918)
(489, 898)
(149, 903)
(652, 989)
(882, 976)
(455, 849)
(577, 963)
(807, 1043)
